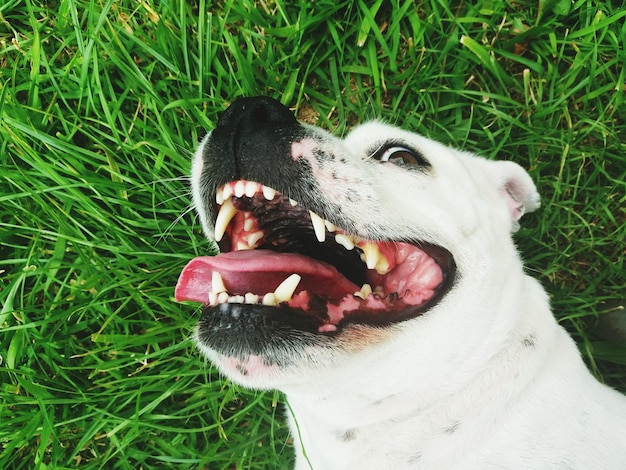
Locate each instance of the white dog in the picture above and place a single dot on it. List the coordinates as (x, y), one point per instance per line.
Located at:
(373, 279)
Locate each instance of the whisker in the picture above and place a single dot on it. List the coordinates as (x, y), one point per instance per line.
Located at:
(184, 151)
(169, 228)
(184, 193)
(181, 178)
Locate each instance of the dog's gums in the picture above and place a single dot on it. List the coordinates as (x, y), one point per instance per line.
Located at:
(276, 253)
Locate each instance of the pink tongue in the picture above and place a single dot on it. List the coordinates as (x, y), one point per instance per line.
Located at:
(260, 272)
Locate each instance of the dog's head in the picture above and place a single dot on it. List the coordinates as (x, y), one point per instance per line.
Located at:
(335, 250)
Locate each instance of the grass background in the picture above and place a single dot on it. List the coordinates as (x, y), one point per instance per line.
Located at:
(101, 103)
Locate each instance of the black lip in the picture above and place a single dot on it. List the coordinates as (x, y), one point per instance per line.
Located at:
(241, 330)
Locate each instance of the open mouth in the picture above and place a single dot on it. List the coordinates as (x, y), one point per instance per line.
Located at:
(280, 255)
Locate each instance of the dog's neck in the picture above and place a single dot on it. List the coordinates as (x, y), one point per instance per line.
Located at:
(430, 404)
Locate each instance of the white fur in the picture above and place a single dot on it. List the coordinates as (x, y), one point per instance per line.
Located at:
(486, 379)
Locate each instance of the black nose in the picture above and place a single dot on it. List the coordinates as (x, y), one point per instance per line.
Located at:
(252, 141)
(249, 116)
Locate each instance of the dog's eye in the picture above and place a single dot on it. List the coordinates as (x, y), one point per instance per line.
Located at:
(400, 156)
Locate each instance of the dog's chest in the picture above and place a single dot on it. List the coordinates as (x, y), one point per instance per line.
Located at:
(419, 440)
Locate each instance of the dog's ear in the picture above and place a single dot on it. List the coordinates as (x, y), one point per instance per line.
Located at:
(517, 189)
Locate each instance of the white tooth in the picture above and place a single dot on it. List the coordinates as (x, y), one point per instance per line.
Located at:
(240, 188)
(251, 298)
(217, 283)
(374, 258)
(242, 245)
(270, 299)
(222, 298)
(344, 241)
(285, 290)
(268, 193)
(365, 291)
(248, 222)
(330, 226)
(318, 226)
(293, 203)
(382, 266)
(379, 291)
(212, 298)
(227, 191)
(251, 188)
(371, 255)
(253, 238)
(219, 196)
(225, 215)
(236, 299)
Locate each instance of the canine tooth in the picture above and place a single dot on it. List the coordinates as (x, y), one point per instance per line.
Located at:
(270, 299)
(253, 238)
(240, 188)
(251, 298)
(251, 188)
(318, 226)
(344, 241)
(225, 215)
(222, 298)
(330, 226)
(285, 290)
(217, 283)
(293, 202)
(268, 193)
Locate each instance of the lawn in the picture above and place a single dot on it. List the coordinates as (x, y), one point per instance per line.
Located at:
(101, 104)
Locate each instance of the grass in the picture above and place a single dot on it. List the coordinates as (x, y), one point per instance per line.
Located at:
(101, 103)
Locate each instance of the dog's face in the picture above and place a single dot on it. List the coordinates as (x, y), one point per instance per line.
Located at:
(343, 256)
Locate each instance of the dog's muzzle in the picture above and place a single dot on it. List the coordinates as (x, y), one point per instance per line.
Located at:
(285, 269)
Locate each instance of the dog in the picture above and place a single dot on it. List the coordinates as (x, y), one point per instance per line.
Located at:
(374, 280)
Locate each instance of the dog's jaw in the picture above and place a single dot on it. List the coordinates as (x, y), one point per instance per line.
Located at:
(345, 197)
